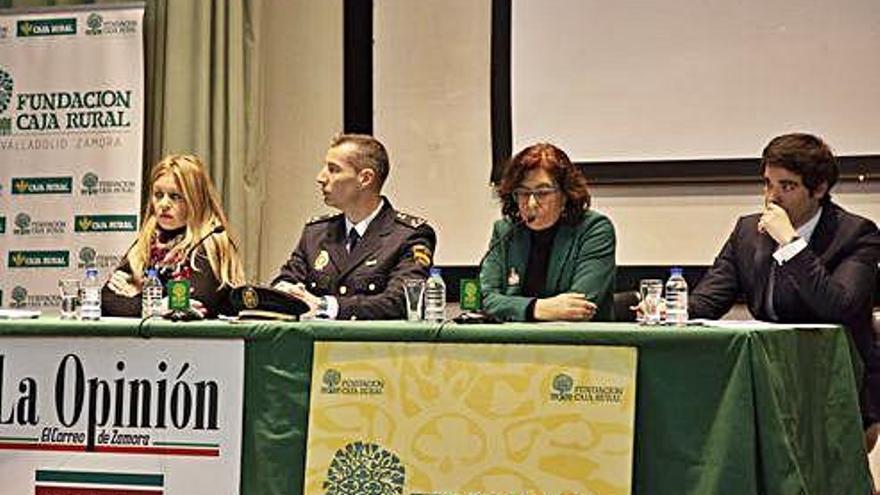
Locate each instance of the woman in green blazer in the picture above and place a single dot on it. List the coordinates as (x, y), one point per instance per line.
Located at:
(551, 257)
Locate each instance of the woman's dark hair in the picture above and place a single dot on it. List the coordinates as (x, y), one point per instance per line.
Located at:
(568, 178)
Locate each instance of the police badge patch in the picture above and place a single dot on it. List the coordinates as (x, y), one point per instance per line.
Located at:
(421, 254)
(322, 260)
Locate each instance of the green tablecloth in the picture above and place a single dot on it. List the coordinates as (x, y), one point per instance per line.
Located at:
(762, 410)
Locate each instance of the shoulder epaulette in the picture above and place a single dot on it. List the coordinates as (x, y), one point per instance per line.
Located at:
(322, 218)
(409, 220)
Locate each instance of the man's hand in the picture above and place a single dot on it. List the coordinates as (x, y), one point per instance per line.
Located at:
(286, 287)
(122, 283)
(641, 309)
(571, 306)
(776, 224)
(300, 292)
(871, 435)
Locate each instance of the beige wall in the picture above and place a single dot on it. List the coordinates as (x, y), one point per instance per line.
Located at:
(432, 110)
(303, 104)
(687, 224)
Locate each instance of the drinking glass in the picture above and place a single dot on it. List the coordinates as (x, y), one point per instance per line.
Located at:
(69, 297)
(414, 289)
(651, 293)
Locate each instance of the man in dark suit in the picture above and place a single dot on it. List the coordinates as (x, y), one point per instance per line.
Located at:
(352, 265)
(803, 259)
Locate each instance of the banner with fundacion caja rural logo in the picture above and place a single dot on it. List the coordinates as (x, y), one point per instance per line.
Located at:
(470, 419)
(71, 141)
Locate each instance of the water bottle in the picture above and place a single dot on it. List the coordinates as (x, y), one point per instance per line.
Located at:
(435, 297)
(91, 296)
(676, 298)
(151, 295)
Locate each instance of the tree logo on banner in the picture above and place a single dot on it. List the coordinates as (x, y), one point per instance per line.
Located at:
(19, 297)
(6, 85)
(87, 256)
(360, 468)
(94, 22)
(22, 223)
(563, 383)
(90, 183)
(331, 380)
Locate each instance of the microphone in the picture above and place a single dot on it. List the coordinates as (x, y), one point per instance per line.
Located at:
(497, 242)
(219, 229)
(184, 260)
(481, 316)
(184, 269)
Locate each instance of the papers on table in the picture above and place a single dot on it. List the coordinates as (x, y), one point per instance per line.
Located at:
(752, 324)
(18, 314)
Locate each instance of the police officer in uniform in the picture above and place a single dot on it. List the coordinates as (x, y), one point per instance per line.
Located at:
(352, 265)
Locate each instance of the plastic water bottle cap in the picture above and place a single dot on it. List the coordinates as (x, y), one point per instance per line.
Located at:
(676, 270)
(91, 272)
(435, 272)
(151, 272)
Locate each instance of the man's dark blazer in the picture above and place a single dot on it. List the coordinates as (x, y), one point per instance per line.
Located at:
(368, 282)
(833, 280)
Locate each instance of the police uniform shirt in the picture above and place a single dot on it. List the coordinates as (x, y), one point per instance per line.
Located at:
(367, 282)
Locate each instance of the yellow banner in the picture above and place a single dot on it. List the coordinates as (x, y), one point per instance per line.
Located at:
(470, 419)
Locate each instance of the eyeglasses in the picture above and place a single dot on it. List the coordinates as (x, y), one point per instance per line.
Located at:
(522, 194)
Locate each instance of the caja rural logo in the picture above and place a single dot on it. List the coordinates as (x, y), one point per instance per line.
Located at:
(42, 185)
(98, 109)
(46, 27)
(38, 259)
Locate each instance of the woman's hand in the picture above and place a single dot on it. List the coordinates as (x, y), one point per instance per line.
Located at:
(572, 306)
(199, 307)
(122, 283)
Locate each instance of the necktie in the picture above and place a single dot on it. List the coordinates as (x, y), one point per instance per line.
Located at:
(772, 290)
(353, 238)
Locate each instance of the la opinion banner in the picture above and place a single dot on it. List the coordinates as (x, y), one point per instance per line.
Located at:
(117, 416)
(419, 419)
(71, 140)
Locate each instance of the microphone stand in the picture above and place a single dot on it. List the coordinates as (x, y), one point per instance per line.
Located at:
(481, 316)
(190, 314)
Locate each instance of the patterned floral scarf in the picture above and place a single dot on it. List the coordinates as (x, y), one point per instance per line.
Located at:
(170, 265)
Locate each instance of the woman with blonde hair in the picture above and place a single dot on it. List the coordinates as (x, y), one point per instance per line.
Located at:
(184, 235)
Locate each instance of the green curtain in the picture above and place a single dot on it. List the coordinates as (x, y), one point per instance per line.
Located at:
(203, 96)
